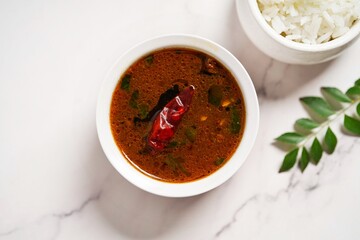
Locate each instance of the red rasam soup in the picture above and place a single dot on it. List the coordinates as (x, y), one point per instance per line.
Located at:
(177, 115)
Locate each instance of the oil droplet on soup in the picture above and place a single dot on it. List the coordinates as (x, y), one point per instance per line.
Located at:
(206, 135)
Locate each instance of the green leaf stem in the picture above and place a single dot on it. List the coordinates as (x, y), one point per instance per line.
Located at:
(313, 153)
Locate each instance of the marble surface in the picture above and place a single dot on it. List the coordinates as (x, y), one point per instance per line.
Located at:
(55, 181)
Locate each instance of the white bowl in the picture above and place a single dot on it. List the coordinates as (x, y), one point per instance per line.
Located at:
(285, 50)
(177, 189)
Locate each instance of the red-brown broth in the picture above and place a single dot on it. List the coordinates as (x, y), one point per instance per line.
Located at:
(209, 132)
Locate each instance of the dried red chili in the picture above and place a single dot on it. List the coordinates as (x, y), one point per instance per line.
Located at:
(168, 119)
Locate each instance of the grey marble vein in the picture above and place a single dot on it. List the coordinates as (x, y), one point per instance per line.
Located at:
(234, 219)
(346, 149)
(262, 91)
(64, 215)
(314, 186)
(269, 197)
(58, 216)
(9, 232)
(78, 209)
(342, 151)
(294, 181)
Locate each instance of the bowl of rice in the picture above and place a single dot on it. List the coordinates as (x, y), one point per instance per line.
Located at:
(300, 31)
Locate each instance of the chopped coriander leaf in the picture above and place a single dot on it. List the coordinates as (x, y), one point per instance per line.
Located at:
(149, 60)
(125, 82)
(219, 161)
(143, 111)
(190, 133)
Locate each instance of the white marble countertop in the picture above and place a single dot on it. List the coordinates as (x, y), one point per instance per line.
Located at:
(55, 181)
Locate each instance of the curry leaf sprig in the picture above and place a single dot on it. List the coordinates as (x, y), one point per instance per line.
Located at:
(323, 112)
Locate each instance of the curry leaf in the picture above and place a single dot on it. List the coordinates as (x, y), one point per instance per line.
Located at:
(318, 105)
(172, 144)
(354, 92)
(357, 82)
(316, 151)
(358, 109)
(125, 82)
(133, 99)
(352, 124)
(171, 162)
(290, 138)
(215, 95)
(235, 125)
(304, 160)
(306, 123)
(175, 164)
(336, 94)
(330, 141)
(289, 160)
(180, 166)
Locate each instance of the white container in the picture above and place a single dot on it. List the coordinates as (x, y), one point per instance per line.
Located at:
(276, 46)
(177, 189)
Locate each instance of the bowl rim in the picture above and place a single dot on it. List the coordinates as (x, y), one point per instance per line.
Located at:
(338, 42)
(124, 167)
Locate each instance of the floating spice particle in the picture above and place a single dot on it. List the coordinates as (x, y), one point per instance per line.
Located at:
(222, 121)
(203, 118)
(225, 103)
(209, 66)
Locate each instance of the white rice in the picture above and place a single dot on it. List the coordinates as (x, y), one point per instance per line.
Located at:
(310, 21)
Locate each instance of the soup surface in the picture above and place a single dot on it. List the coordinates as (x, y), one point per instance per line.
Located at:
(207, 120)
